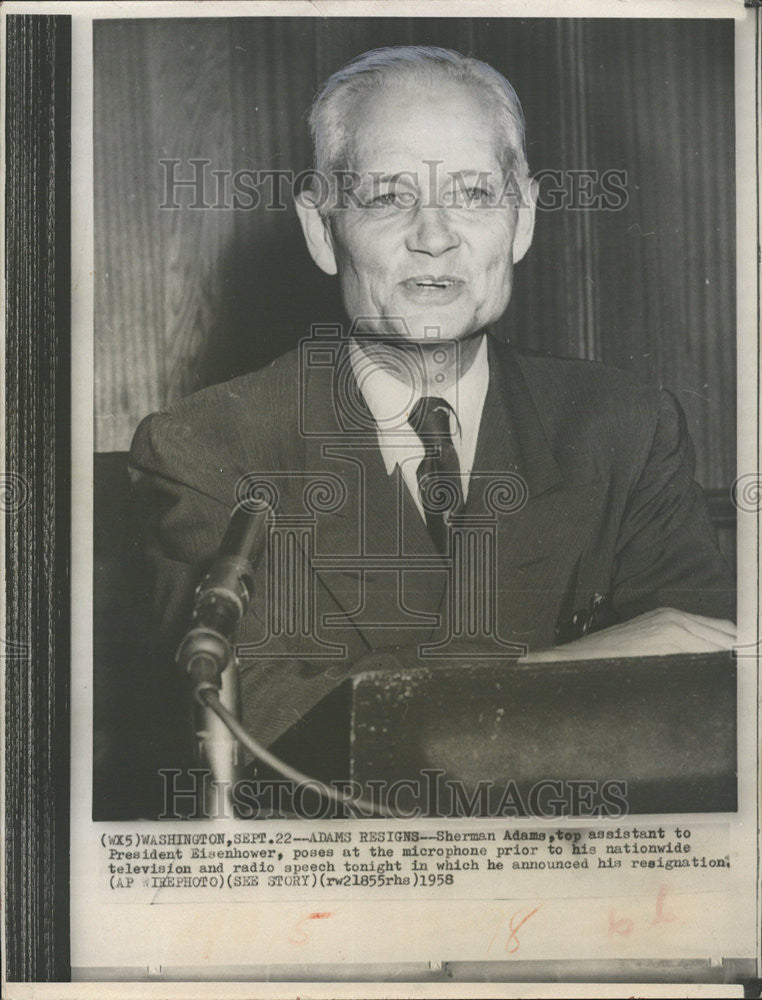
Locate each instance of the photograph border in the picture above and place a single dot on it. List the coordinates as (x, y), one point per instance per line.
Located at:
(36, 497)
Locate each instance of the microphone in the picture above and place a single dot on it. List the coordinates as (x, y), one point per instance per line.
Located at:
(222, 598)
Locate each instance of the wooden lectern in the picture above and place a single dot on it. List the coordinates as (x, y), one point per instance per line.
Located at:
(510, 738)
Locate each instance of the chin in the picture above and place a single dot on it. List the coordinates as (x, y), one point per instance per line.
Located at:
(420, 329)
(445, 334)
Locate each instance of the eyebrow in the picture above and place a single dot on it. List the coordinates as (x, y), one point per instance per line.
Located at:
(409, 175)
(379, 178)
(471, 172)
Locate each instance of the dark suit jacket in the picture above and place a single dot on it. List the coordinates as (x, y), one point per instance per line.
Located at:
(603, 503)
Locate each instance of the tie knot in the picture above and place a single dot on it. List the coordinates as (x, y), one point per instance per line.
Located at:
(430, 419)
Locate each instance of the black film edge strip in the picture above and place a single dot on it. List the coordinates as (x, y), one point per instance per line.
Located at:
(36, 497)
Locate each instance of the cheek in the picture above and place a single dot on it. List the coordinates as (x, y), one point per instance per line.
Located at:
(352, 268)
(361, 282)
(364, 246)
(498, 269)
(367, 273)
(492, 245)
(497, 275)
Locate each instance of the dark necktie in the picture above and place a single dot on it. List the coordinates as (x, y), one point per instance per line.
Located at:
(439, 486)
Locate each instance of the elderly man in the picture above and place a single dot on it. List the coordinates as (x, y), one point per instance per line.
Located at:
(424, 470)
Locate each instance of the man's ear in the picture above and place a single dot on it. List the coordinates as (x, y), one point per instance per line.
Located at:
(525, 221)
(317, 233)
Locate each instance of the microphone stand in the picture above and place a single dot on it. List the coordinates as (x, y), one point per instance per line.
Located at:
(206, 652)
(217, 749)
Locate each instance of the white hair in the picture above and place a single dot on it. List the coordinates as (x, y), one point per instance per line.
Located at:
(329, 116)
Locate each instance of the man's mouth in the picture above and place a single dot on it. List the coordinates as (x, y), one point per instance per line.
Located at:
(434, 289)
(429, 281)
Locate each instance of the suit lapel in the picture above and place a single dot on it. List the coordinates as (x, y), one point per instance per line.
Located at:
(362, 544)
(541, 515)
(511, 437)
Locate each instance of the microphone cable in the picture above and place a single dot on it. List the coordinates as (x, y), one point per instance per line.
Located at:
(211, 699)
(221, 600)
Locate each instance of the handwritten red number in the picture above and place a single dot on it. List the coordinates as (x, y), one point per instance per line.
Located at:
(622, 926)
(512, 944)
(662, 917)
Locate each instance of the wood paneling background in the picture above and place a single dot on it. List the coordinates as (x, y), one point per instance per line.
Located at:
(187, 297)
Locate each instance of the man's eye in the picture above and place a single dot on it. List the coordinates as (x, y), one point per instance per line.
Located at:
(393, 199)
(473, 197)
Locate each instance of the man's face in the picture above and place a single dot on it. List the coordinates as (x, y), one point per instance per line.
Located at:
(429, 234)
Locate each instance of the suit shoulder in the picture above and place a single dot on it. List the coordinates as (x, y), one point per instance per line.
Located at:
(584, 401)
(254, 410)
(590, 384)
(256, 391)
(575, 371)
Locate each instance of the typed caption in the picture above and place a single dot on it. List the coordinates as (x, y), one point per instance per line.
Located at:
(275, 861)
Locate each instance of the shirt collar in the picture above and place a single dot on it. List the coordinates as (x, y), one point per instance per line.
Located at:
(391, 399)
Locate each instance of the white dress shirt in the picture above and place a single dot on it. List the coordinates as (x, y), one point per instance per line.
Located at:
(390, 400)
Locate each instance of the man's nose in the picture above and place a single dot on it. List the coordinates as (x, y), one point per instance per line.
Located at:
(432, 231)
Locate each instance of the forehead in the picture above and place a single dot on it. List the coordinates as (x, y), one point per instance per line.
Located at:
(405, 124)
